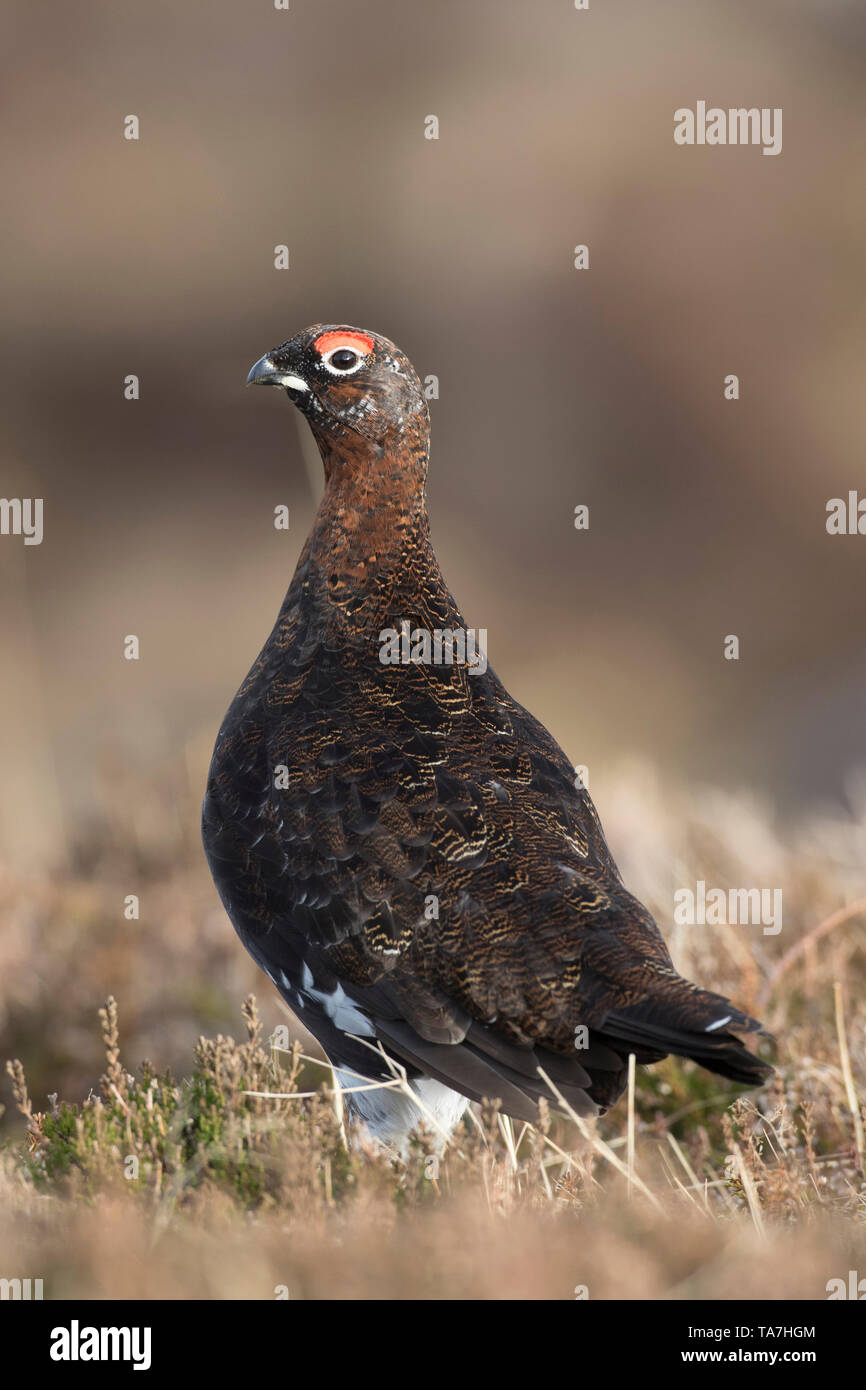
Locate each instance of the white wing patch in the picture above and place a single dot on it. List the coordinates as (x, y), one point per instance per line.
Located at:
(345, 1015)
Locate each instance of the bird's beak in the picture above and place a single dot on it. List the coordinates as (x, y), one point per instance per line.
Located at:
(265, 372)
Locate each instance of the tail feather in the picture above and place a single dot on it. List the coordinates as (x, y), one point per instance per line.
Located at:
(691, 1022)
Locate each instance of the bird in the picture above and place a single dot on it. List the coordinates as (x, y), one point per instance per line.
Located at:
(405, 850)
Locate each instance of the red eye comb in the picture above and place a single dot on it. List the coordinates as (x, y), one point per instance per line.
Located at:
(360, 342)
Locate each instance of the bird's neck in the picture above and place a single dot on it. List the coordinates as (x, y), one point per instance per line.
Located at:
(372, 515)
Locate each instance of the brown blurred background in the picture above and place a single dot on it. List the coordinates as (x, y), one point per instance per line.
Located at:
(558, 387)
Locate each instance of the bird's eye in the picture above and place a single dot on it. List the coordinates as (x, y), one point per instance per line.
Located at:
(343, 359)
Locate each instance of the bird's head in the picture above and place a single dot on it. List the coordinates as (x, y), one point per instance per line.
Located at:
(352, 386)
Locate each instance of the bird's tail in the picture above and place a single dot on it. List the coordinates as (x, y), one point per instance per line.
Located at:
(690, 1022)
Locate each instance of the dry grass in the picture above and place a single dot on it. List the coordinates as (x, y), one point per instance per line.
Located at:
(161, 1188)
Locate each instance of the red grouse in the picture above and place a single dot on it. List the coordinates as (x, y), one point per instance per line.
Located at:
(403, 849)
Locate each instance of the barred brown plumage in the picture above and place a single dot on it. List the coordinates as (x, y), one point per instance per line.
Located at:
(401, 846)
